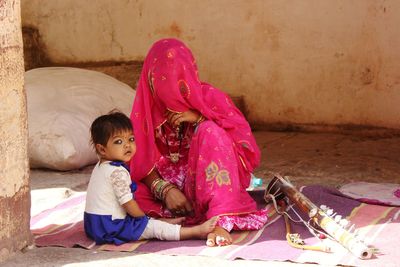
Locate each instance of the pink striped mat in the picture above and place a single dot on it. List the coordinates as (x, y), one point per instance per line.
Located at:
(62, 226)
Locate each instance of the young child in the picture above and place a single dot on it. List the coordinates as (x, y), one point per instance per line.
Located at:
(111, 214)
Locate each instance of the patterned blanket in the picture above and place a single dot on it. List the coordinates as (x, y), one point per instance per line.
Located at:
(62, 226)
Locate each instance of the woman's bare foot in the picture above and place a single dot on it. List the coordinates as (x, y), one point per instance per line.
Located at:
(219, 237)
(177, 220)
(199, 231)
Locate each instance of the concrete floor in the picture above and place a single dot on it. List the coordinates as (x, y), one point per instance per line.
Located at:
(307, 158)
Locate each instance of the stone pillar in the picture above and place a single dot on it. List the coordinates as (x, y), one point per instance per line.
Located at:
(14, 166)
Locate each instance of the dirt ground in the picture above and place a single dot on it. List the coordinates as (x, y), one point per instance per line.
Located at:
(306, 158)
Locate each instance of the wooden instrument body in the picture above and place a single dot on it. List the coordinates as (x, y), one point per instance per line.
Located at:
(356, 246)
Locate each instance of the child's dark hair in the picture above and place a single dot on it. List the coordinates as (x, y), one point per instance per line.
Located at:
(106, 126)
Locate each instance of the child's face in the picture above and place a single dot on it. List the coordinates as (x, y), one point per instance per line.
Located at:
(120, 147)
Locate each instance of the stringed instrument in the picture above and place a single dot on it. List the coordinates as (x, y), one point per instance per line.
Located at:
(323, 217)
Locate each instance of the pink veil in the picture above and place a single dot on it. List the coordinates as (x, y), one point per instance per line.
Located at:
(169, 81)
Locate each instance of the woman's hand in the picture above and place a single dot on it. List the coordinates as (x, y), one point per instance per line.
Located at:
(175, 200)
(190, 116)
(177, 203)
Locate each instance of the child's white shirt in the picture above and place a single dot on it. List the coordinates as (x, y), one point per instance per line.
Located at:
(108, 189)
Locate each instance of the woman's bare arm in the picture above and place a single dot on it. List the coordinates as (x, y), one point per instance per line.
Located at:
(151, 177)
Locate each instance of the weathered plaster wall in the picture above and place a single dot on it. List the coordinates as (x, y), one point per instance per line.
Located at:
(14, 186)
(304, 62)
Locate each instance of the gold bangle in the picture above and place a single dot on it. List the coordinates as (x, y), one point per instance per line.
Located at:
(156, 187)
(165, 191)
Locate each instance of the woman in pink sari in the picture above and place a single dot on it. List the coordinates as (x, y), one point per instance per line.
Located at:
(195, 150)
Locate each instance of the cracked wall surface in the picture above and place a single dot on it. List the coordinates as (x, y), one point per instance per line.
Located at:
(307, 62)
(14, 172)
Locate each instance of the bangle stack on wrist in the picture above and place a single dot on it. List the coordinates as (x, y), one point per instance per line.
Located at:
(160, 188)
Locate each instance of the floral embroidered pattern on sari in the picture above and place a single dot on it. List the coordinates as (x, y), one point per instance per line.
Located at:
(221, 176)
(151, 79)
(184, 89)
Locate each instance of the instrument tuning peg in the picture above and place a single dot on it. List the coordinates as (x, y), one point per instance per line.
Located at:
(351, 228)
(329, 212)
(338, 218)
(323, 207)
(344, 222)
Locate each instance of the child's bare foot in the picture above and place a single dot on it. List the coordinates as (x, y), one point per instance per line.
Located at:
(219, 237)
(199, 231)
(177, 220)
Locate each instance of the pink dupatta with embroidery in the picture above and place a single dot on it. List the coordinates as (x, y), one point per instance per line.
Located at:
(169, 81)
(176, 86)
